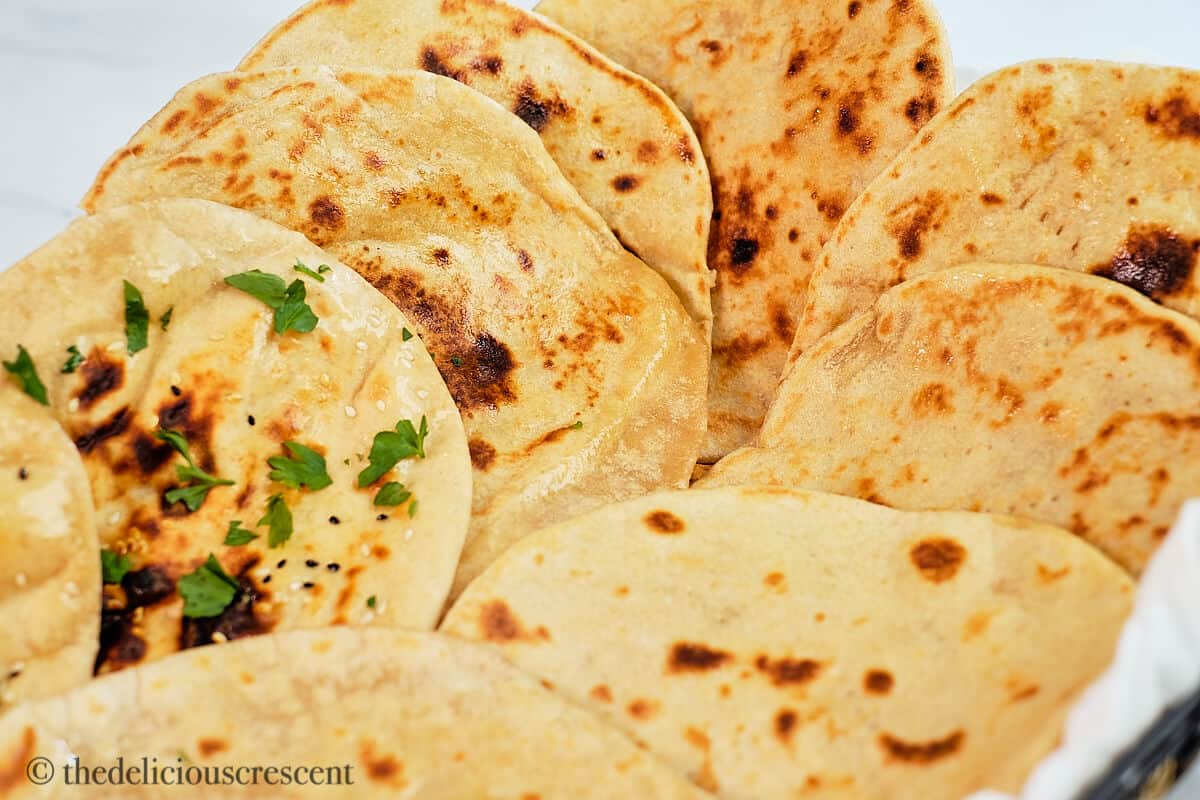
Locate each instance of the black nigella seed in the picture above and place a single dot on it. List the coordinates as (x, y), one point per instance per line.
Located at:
(333, 566)
(175, 390)
(309, 584)
(312, 562)
(250, 419)
(282, 563)
(267, 579)
(334, 521)
(23, 474)
(381, 517)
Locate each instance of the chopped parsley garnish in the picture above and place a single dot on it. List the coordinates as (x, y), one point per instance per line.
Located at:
(292, 313)
(113, 566)
(208, 590)
(199, 483)
(165, 320)
(578, 426)
(137, 320)
(279, 520)
(392, 447)
(371, 601)
(75, 358)
(412, 508)
(406, 334)
(392, 494)
(456, 361)
(319, 275)
(237, 535)
(306, 467)
(27, 377)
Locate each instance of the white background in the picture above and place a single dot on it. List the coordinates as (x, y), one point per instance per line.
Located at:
(80, 76)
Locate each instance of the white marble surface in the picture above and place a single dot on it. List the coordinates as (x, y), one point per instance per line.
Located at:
(82, 75)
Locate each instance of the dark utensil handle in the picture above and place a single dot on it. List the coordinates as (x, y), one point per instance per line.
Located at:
(1148, 769)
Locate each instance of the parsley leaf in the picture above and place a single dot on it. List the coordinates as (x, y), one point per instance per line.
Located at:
(295, 314)
(208, 590)
(137, 319)
(392, 494)
(165, 320)
(578, 426)
(391, 447)
(287, 301)
(27, 376)
(412, 508)
(306, 467)
(405, 334)
(237, 535)
(456, 361)
(279, 518)
(371, 601)
(113, 566)
(74, 359)
(199, 483)
(315, 275)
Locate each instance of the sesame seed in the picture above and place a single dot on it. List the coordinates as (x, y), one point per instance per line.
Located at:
(333, 566)
(309, 584)
(382, 517)
(421, 393)
(408, 534)
(382, 406)
(114, 518)
(175, 390)
(73, 405)
(361, 345)
(17, 668)
(334, 521)
(71, 588)
(351, 412)
(176, 378)
(251, 420)
(233, 397)
(266, 579)
(20, 579)
(219, 637)
(282, 563)
(366, 550)
(8, 697)
(23, 474)
(115, 346)
(294, 585)
(312, 562)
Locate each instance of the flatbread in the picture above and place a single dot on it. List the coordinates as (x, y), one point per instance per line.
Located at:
(1074, 164)
(579, 375)
(848, 650)
(237, 391)
(1048, 394)
(400, 714)
(798, 105)
(615, 136)
(50, 573)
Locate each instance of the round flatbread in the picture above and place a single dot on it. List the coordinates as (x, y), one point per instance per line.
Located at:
(615, 136)
(1044, 393)
(217, 372)
(798, 105)
(848, 650)
(350, 712)
(50, 573)
(1081, 165)
(579, 375)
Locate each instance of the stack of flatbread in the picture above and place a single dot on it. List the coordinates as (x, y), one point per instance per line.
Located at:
(351, 432)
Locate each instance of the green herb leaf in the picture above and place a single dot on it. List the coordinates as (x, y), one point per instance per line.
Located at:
(113, 566)
(412, 508)
(137, 320)
(73, 361)
(263, 286)
(456, 361)
(578, 426)
(165, 320)
(27, 376)
(406, 334)
(391, 447)
(198, 483)
(306, 467)
(392, 494)
(279, 519)
(324, 269)
(295, 314)
(371, 601)
(208, 590)
(315, 275)
(237, 536)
